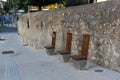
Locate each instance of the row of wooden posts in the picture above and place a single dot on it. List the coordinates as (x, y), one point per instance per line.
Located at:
(66, 53)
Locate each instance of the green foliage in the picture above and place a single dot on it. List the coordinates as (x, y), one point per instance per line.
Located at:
(18, 4)
(40, 3)
(6, 7)
(73, 2)
(22, 4)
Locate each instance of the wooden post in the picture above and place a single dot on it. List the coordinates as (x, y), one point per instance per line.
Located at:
(85, 45)
(53, 39)
(68, 42)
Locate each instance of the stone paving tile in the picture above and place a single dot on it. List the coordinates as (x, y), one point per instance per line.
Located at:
(11, 71)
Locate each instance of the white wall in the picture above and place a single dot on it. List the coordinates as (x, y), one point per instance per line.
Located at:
(101, 0)
(4, 0)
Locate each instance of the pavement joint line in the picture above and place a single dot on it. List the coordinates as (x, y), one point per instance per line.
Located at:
(11, 69)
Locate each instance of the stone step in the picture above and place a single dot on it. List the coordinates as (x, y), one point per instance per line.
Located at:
(11, 69)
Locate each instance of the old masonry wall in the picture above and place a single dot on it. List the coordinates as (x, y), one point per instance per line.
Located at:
(100, 20)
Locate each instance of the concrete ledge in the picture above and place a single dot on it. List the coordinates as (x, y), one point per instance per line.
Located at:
(80, 64)
(50, 51)
(64, 57)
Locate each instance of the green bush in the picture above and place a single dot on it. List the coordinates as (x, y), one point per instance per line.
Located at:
(74, 2)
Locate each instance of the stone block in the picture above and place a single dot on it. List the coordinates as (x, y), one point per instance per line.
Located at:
(64, 57)
(24, 40)
(37, 45)
(50, 51)
(80, 64)
(30, 43)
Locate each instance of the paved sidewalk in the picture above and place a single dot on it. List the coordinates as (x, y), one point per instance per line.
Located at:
(7, 29)
(30, 64)
(11, 69)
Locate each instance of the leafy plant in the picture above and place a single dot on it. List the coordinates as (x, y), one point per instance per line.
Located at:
(18, 4)
(73, 2)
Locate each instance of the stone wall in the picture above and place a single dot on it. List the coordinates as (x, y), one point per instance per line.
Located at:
(101, 21)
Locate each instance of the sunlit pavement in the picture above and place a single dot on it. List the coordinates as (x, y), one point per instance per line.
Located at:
(27, 63)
